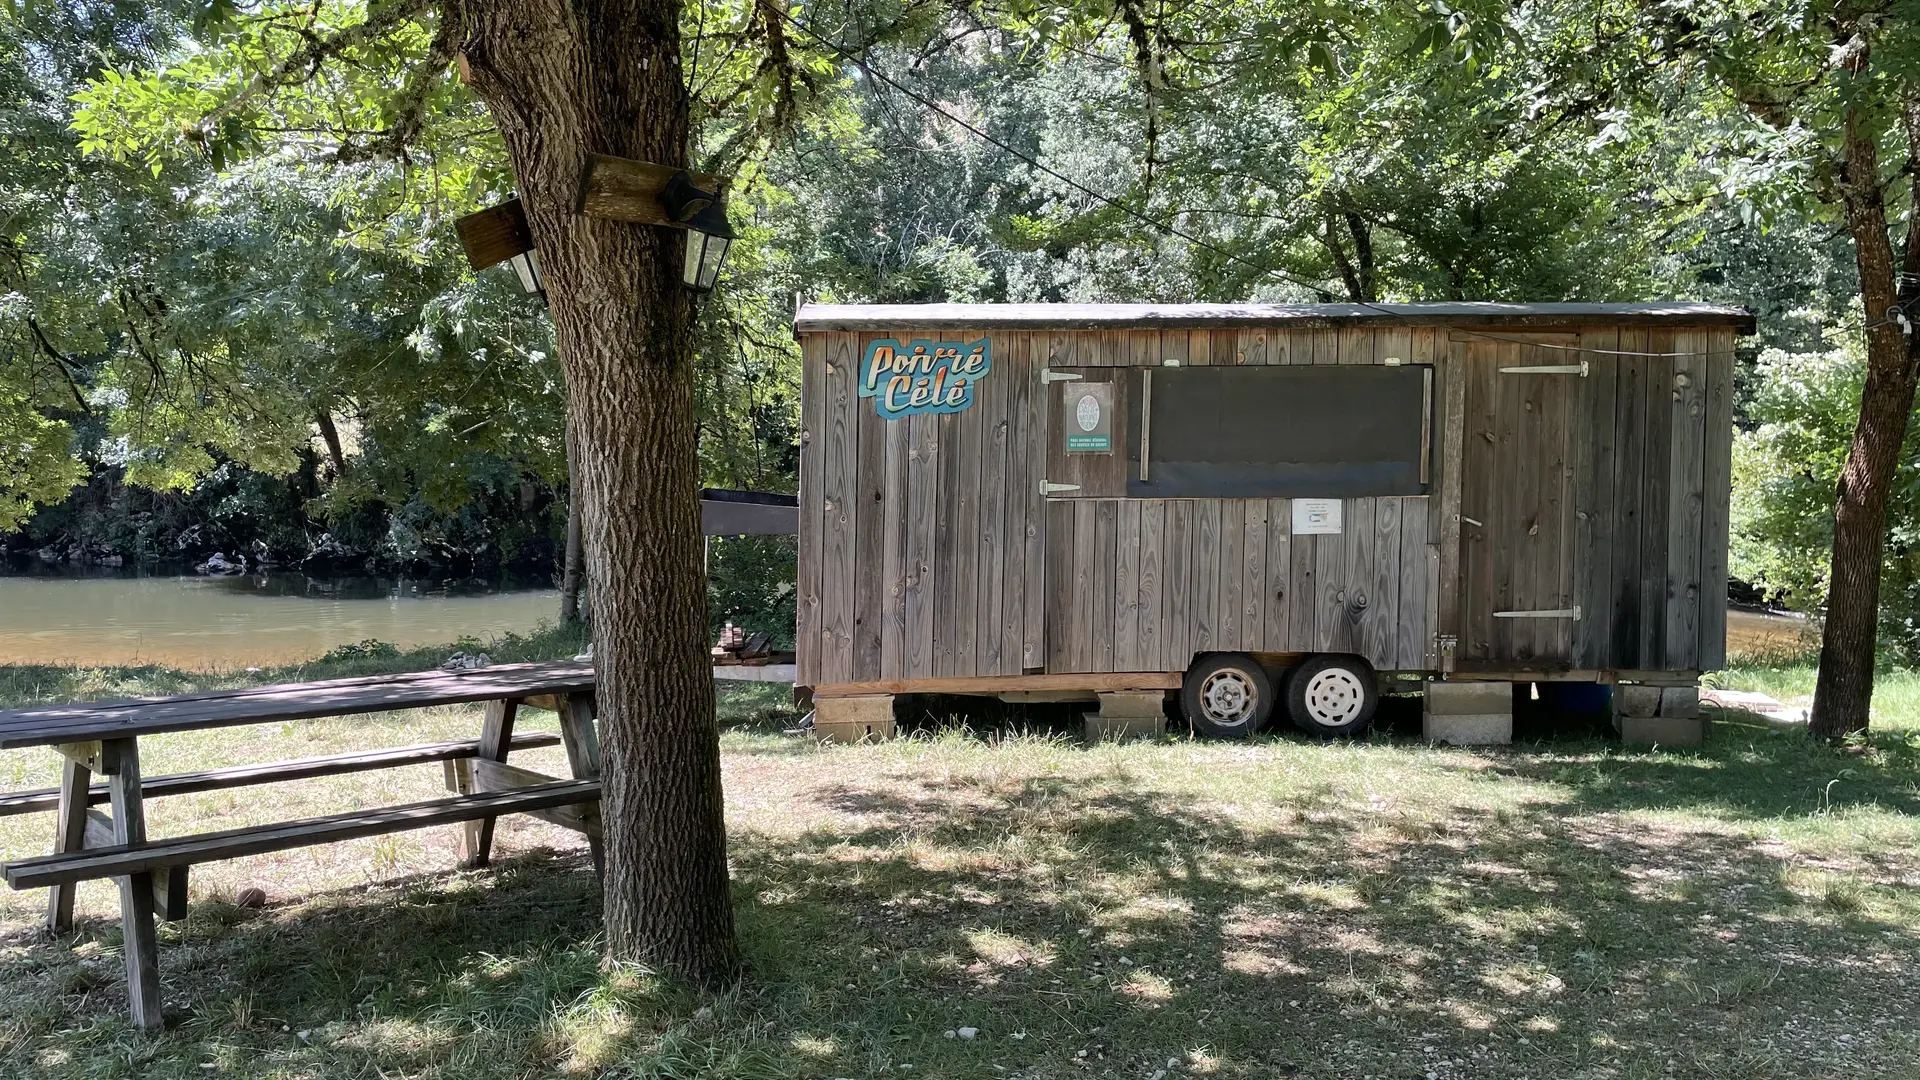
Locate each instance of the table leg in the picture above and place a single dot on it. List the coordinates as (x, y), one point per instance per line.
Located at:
(582, 741)
(70, 834)
(496, 735)
(120, 760)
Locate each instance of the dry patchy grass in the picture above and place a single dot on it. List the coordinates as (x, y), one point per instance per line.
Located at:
(1560, 908)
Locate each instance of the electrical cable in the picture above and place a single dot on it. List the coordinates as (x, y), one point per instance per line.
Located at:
(1168, 228)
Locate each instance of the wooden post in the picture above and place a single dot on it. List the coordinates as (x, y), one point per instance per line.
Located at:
(496, 736)
(69, 835)
(121, 761)
(582, 740)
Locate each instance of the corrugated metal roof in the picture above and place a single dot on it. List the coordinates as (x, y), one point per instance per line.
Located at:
(883, 317)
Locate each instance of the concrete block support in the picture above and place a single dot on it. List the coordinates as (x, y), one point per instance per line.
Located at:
(1642, 701)
(1663, 731)
(854, 719)
(1128, 715)
(1680, 701)
(1468, 713)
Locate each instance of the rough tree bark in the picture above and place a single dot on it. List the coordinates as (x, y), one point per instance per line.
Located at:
(1844, 692)
(574, 567)
(562, 79)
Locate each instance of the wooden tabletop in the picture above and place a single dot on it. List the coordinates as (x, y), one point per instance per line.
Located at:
(47, 725)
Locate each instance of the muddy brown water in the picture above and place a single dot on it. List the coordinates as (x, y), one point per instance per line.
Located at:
(255, 620)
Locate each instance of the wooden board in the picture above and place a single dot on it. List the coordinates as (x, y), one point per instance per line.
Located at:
(1596, 515)
(1034, 636)
(1203, 586)
(1062, 624)
(1127, 646)
(875, 526)
(972, 441)
(1419, 561)
(1279, 585)
(1352, 606)
(1152, 574)
(895, 513)
(953, 451)
(1230, 575)
(1629, 473)
(1657, 420)
(837, 492)
(1099, 584)
(199, 848)
(50, 725)
(1007, 684)
(812, 539)
(1253, 583)
(154, 787)
(1380, 629)
(1176, 623)
(923, 506)
(1690, 382)
(1444, 524)
(990, 539)
(1716, 490)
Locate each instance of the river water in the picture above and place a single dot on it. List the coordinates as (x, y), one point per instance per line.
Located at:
(255, 620)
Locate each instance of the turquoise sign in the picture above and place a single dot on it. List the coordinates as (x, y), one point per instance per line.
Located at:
(923, 377)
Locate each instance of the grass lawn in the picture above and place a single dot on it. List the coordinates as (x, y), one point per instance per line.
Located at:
(1284, 908)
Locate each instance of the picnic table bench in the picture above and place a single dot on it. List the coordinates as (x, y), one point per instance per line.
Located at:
(103, 738)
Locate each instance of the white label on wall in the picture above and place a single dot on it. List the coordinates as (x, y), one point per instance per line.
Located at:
(1312, 516)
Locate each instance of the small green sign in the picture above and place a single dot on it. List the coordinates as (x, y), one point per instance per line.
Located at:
(1101, 443)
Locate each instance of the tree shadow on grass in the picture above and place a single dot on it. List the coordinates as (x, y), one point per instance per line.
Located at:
(1085, 925)
(1138, 927)
(1742, 773)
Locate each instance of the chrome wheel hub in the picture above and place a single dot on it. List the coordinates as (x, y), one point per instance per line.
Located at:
(1229, 698)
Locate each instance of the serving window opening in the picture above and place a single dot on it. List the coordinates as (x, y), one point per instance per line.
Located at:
(1340, 431)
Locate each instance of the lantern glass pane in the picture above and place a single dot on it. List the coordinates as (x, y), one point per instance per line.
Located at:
(716, 251)
(696, 244)
(527, 266)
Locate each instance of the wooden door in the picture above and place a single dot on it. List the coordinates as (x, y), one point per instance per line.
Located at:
(1516, 503)
(1086, 481)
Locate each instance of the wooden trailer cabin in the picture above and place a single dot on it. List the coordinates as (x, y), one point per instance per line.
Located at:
(1270, 510)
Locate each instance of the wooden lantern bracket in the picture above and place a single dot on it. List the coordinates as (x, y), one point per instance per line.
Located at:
(621, 189)
(613, 188)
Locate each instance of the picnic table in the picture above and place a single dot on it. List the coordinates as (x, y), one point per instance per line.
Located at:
(104, 738)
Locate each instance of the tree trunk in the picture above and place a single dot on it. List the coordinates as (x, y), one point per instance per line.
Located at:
(563, 79)
(1843, 694)
(571, 569)
(331, 436)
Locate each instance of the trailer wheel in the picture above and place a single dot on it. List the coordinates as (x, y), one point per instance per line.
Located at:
(1227, 696)
(1332, 695)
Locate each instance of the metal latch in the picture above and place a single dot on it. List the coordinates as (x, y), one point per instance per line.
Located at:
(1048, 375)
(1579, 369)
(1542, 613)
(1048, 489)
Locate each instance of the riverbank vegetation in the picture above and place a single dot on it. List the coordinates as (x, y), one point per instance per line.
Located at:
(1282, 907)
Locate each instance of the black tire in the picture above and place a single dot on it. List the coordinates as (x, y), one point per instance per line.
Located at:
(1227, 696)
(1332, 695)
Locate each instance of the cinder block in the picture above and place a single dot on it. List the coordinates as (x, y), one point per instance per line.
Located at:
(1680, 702)
(1664, 730)
(1469, 698)
(1469, 729)
(1633, 700)
(1101, 728)
(1133, 703)
(854, 719)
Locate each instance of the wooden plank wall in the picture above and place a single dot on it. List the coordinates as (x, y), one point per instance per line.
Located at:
(921, 537)
(1198, 581)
